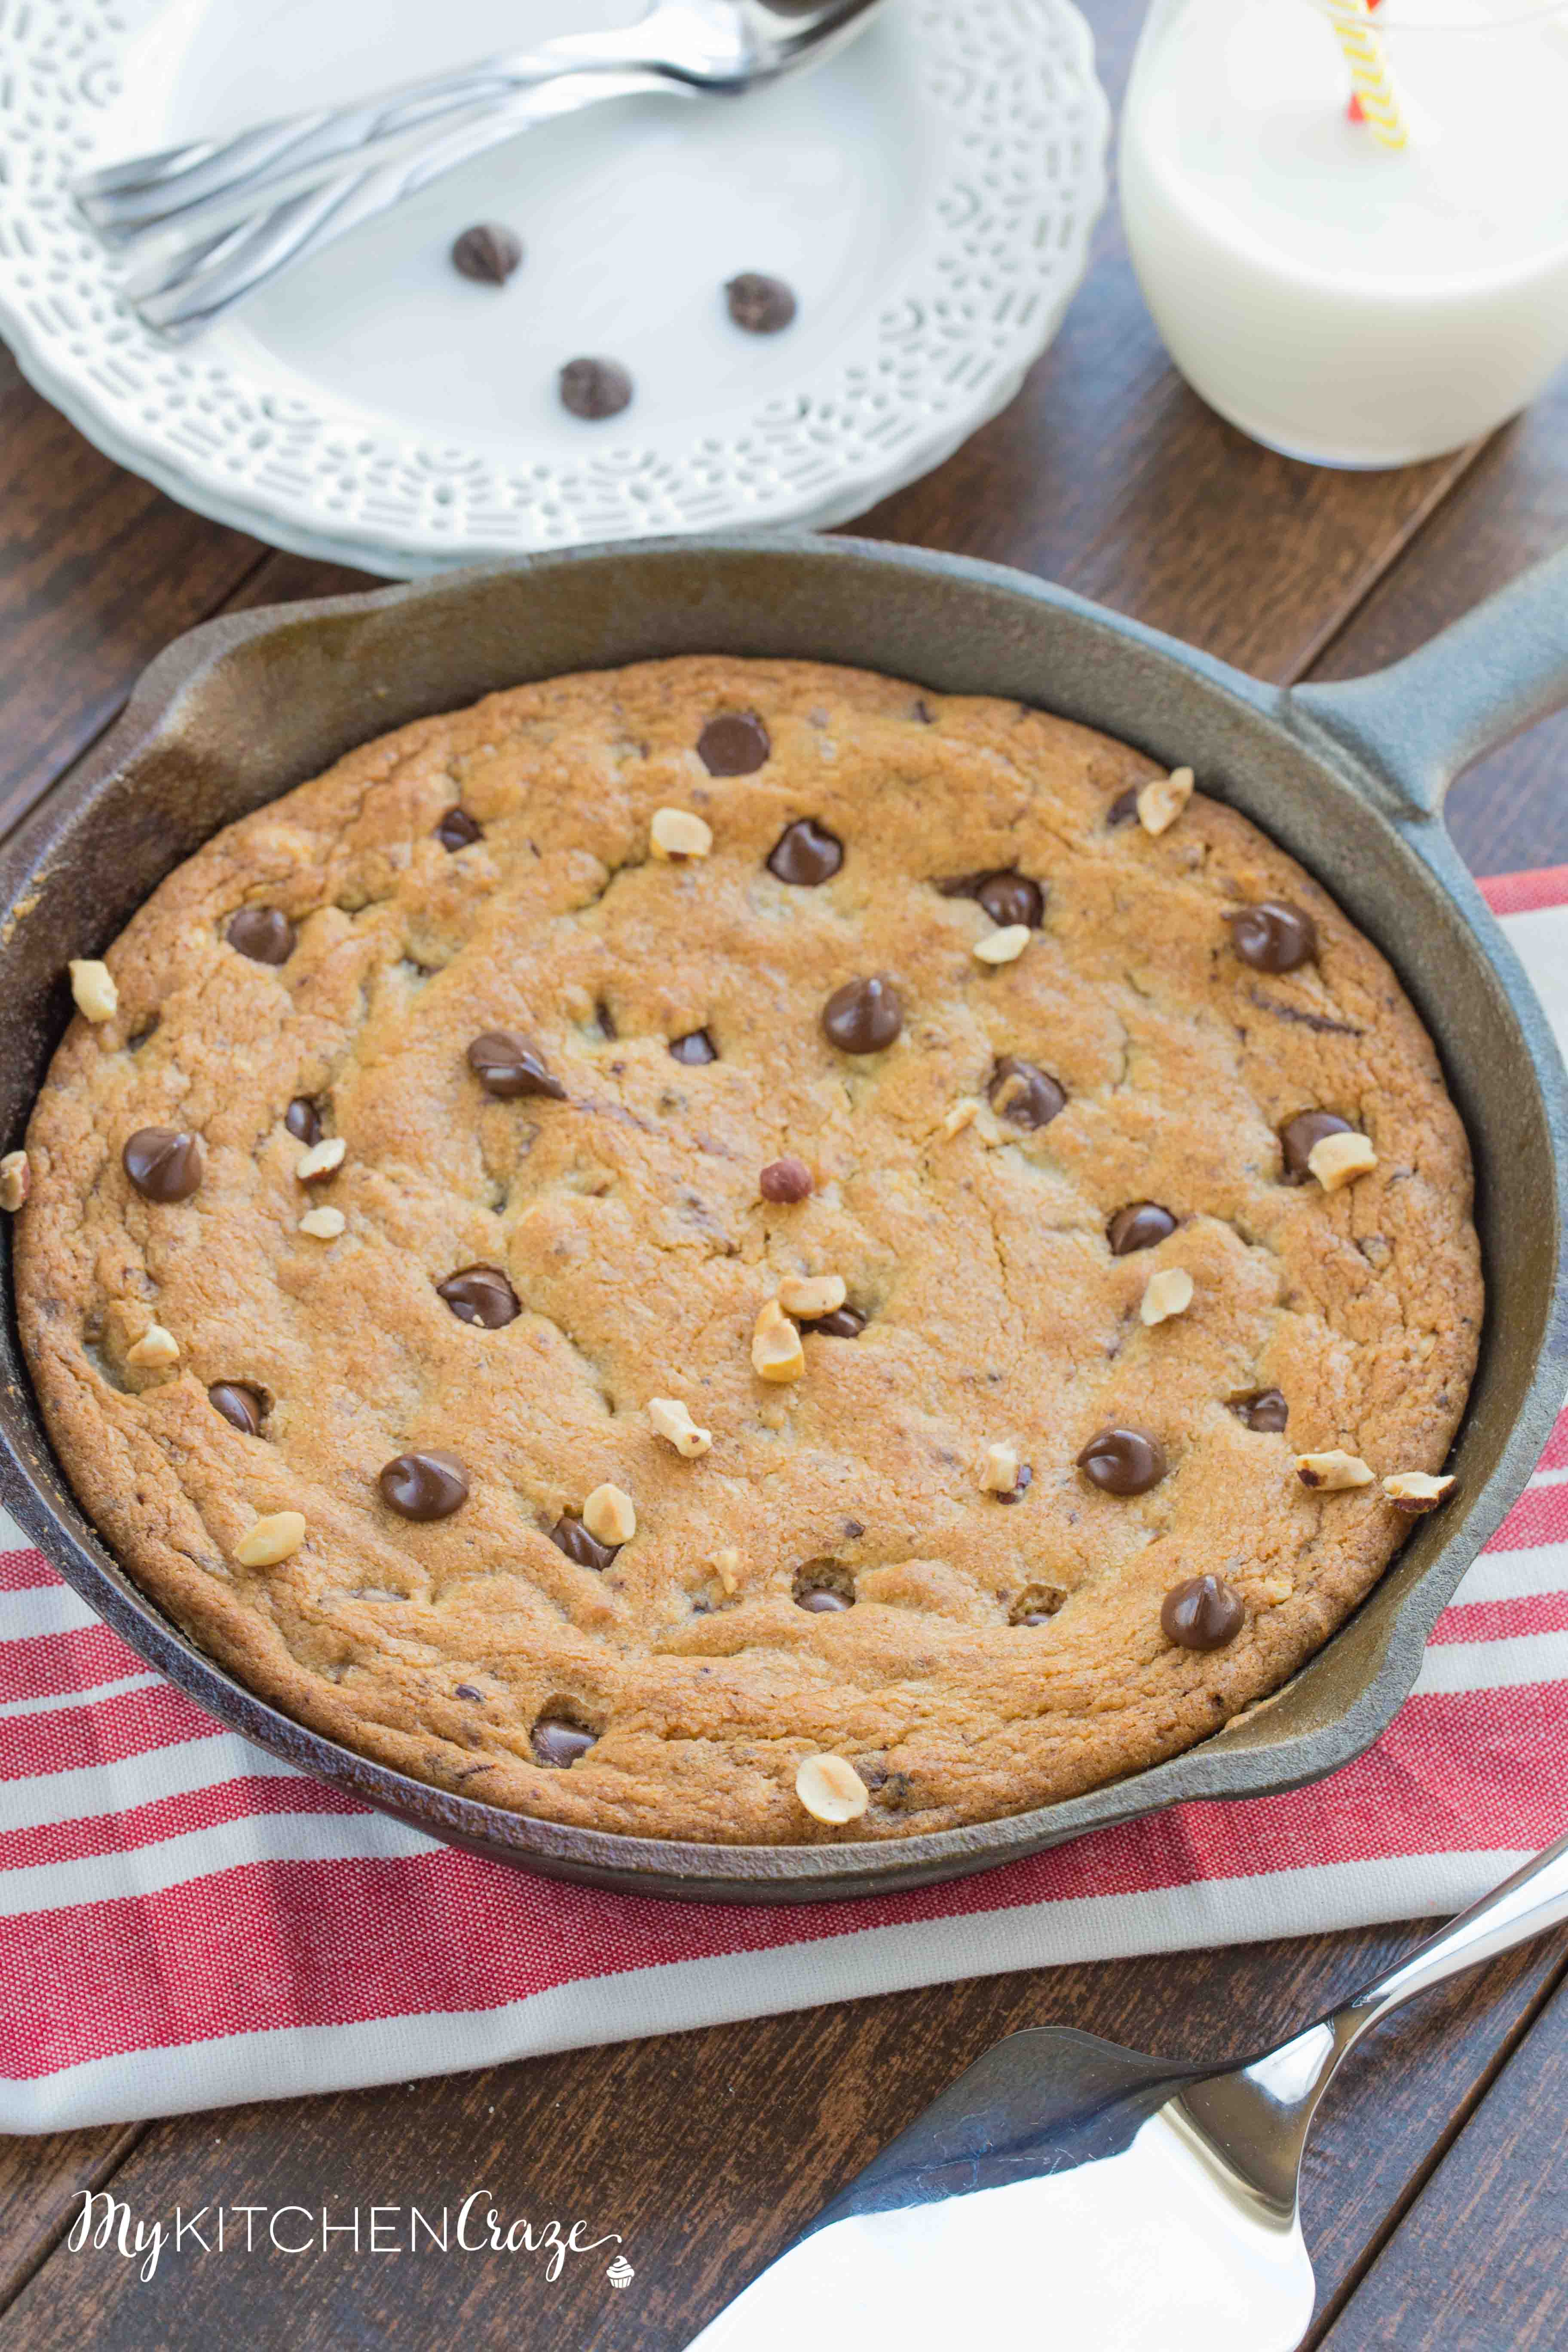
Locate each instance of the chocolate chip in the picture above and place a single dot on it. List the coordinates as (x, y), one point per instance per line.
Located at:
(736, 743)
(1263, 1409)
(164, 1163)
(1009, 897)
(864, 1016)
(1025, 1095)
(466, 1690)
(1205, 1613)
(303, 1120)
(487, 253)
(1123, 809)
(822, 1585)
(1036, 1605)
(240, 1406)
(805, 853)
(506, 1065)
(1123, 1461)
(265, 934)
(924, 715)
(556, 1742)
(695, 1048)
(1273, 936)
(594, 389)
(844, 1323)
(1299, 1135)
(762, 304)
(823, 1600)
(1139, 1226)
(481, 1294)
(785, 1181)
(1020, 1486)
(429, 1486)
(577, 1544)
(458, 830)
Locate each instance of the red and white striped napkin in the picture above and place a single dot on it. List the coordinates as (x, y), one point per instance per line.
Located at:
(185, 1922)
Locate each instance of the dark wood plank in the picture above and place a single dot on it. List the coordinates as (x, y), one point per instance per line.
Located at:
(41, 2182)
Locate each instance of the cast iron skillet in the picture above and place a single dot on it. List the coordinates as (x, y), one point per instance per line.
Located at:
(1348, 777)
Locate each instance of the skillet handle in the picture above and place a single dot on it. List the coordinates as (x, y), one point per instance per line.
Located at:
(1417, 723)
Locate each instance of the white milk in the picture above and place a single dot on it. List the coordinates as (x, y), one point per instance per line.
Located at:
(1336, 300)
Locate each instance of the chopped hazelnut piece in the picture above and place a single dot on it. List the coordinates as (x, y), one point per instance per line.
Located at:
(322, 1224)
(727, 1566)
(155, 1347)
(1000, 1474)
(1005, 946)
(15, 1179)
(1332, 1470)
(811, 1294)
(776, 1352)
(961, 1115)
(273, 1538)
(676, 833)
(671, 1419)
(96, 998)
(1161, 802)
(831, 1790)
(321, 1159)
(1338, 1160)
(1416, 1491)
(609, 1517)
(1167, 1293)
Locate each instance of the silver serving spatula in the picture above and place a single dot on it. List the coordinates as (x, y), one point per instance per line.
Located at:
(1066, 2192)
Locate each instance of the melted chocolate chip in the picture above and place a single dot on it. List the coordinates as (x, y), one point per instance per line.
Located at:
(1019, 1489)
(1008, 898)
(481, 1294)
(164, 1163)
(506, 1065)
(734, 744)
(487, 253)
(1205, 1613)
(1263, 1409)
(1025, 1095)
(805, 853)
(1123, 1461)
(265, 934)
(785, 1181)
(303, 1120)
(593, 389)
(822, 1599)
(695, 1048)
(557, 1742)
(762, 304)
(240, 1406)
(864, 1016)
(1123, 809)
(823, 1586)
(429, 1486)
(1273, 936)
(844, 1323)
(458, 830)
(1139, 1226)
(1298, 1136)
(577, 1544)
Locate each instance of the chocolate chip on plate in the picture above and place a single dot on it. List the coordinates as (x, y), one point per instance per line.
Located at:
(481, 1294)
(265, 934)
(1011, 897)
(506, 1065)
(488, 253)
(1299, 1135)
(1025, 1095)
(785, 1181)
(458, 830)
(842, 1323)
(1263, 1409)
(164, 1163)
(427, 1486)
(1205, 1613)
(735, 743)
(240, 1406)
(1139, 1226)
(557, 1742)
(1273, 936)
(1123, 1461)
(695, 1048)
(303, 1119)
(593, 389)
(805, 853)
(864, 1016)
(577, 1544)
(762, 304)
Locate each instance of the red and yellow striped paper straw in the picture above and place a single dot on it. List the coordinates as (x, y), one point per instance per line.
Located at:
(1378, 106)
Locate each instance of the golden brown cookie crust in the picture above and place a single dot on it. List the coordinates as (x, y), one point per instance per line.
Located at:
(629, 1221)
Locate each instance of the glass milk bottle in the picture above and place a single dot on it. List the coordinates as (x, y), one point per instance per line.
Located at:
(1343, 299)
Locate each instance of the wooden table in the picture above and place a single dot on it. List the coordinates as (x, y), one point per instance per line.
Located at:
(1432, 2211)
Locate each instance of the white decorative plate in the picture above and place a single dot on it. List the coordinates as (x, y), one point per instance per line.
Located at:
(930, 194)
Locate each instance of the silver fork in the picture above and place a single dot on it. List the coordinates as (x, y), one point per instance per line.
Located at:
(687, 47)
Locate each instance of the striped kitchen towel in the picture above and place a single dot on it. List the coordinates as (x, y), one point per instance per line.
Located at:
(185, 1922)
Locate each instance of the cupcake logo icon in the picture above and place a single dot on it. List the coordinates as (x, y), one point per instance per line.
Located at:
(620, 2273)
